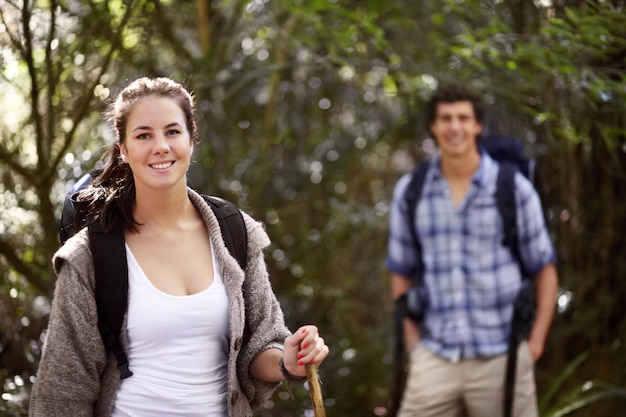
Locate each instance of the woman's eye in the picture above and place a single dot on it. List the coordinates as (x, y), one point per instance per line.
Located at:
(173, 132)
(143, 136)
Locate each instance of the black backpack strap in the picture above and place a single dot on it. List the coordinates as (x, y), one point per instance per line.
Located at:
(411, 198)
(523, 309)
(235, 235)
(111, 275)
(505, 199)
(233, 227)
(398, 382)
(111, 271)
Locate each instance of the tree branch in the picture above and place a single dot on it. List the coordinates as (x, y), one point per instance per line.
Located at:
(85, 101)
(282, 47)
(10, 160)
(34, 276)
(32, 72)
(204, 28)
(51, 85)
(14, 40)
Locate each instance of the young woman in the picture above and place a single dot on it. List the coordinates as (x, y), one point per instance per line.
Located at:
(189, 302)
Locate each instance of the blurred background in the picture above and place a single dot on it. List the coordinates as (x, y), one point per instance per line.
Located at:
(309, 111)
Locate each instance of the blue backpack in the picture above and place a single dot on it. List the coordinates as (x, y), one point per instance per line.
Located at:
(509, 154)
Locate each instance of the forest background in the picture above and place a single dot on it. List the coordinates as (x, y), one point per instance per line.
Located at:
(309, 111)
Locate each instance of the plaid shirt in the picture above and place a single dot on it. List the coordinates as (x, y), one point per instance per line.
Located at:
(471, 277)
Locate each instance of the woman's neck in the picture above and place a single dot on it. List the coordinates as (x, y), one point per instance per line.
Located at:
(163, 210)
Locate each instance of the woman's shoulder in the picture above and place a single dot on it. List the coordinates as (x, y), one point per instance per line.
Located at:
(257, 236)
(75, 251)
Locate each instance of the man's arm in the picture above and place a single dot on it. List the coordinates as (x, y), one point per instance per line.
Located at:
(546, 287)
(400, 284)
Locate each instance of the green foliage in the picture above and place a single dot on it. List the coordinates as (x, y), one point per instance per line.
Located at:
(54, 75)
(580, 397)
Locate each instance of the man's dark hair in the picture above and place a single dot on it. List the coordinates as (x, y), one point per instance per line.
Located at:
(451, 93)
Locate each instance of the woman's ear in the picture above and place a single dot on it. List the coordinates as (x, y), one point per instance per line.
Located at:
(122, 153)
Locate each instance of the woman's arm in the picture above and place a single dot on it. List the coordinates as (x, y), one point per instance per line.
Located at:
(303, 347)
(68, 378)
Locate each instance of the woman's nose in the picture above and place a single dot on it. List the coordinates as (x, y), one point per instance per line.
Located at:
(160, 144)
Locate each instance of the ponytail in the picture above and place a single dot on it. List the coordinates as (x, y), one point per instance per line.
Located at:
(110, 197)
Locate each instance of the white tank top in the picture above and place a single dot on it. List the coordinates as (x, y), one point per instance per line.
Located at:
(178, 350)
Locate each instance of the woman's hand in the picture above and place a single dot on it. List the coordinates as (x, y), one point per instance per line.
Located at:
(303, 347)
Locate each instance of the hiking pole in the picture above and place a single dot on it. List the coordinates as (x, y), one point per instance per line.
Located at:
(315, 390)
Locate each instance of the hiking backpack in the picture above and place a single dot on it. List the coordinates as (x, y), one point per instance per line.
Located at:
(111, 268)
(511, 158)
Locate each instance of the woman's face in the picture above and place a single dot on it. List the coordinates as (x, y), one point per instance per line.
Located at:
(158, 145)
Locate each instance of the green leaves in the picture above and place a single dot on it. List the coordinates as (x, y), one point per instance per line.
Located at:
(581, 396)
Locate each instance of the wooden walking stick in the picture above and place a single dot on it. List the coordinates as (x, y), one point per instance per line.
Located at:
(315, 390)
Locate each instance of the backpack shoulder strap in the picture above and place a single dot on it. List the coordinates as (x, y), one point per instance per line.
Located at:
(505, 199)
(232, 226)
(111, 278)
(235, 236)
(412, 197)
(111, 272)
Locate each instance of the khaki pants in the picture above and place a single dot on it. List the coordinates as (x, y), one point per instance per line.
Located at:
(467, 388)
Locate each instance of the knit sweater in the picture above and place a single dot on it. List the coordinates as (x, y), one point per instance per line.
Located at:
(77, 378)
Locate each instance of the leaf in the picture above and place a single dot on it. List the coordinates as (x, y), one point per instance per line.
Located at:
(580, 398)
(560, 380)
(572, 15)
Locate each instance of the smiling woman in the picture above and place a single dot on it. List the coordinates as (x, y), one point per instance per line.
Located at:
(202, 335)
(158, 145)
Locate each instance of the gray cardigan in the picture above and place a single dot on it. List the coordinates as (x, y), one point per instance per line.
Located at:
(75, 376)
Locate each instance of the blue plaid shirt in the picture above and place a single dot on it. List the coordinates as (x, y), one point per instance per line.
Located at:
(471, 277)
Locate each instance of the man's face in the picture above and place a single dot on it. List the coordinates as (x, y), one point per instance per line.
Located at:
(456, 129)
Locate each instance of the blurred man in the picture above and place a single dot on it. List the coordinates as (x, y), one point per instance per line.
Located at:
(458, 351)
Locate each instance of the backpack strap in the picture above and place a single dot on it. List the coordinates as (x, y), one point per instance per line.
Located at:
(505, 199)
(412, 198)
(233, 227)
(111, 272)
(235, 236)
(111, 275)
(523, 309)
